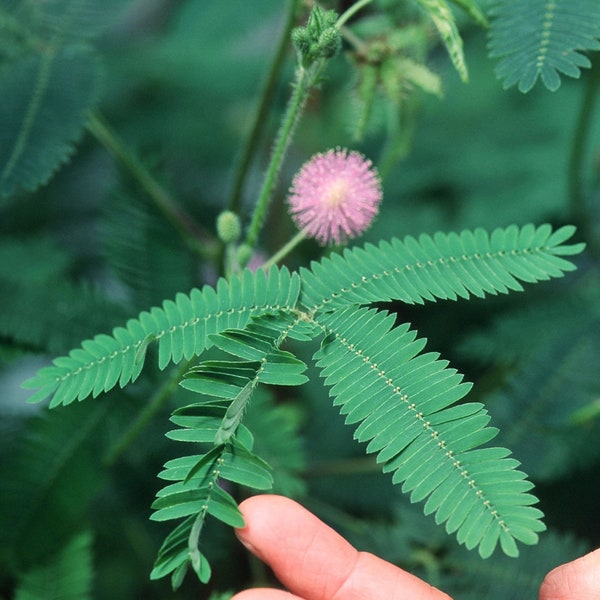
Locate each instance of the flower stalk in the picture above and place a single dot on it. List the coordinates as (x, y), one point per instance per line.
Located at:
(285, 250)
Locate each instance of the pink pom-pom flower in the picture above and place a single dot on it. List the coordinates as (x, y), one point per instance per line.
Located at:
(335, 196)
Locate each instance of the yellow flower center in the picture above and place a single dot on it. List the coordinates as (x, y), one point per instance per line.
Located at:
(336, 193)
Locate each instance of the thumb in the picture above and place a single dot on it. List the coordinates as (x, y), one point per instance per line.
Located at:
(574, 581)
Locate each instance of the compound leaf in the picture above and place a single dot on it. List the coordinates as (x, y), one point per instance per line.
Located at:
(444, 266)
(406, 411)
(105, 361)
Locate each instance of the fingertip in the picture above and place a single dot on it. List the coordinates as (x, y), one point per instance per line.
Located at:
(264, 594)
(259, 513)
(306, 555)
(265, 503)
(574, 580)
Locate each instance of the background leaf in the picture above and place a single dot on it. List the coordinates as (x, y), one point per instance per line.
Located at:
(541, 39)
(65, 576)
(55, 462)
(445, 23)
(43, 114)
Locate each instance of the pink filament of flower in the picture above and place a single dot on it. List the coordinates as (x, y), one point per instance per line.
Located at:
(335, 196)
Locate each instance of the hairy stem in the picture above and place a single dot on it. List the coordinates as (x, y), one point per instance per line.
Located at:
(195, 237)
(157, 401)
(302, 86)
(262, 110)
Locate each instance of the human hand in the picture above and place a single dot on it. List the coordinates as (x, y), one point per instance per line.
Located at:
(315, 563)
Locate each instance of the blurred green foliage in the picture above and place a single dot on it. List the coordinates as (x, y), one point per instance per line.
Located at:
(83, 246)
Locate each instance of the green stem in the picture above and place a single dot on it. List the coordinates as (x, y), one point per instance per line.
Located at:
(351, 12)
(158, 400)
(262, 111)
(304, 80)
(195, 532)
(580, 140)
(343, 466)
(360, 46)
(194, 236)
(285, 250)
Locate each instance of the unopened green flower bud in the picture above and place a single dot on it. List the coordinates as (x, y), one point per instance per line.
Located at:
(319, 39)
(319, 20)
(330, 19)
(244, 254)
(330, 42)
(229, 227)
(301, 41)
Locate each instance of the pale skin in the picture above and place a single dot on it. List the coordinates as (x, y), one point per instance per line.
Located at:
(315, 563)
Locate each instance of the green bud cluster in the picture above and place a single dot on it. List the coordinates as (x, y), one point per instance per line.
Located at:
(319, 39)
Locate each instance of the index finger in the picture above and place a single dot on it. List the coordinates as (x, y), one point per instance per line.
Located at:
(316, 563)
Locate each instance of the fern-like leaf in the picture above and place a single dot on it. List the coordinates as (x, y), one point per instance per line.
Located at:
(65, 576)
(530, 406)
(195, 495)
(542, 38)
(64, 20)
(41, 474)
(49, 85)
(182, 329)
(196, 490)
(444, 266)
(34, 296)
(441, 15)
(147, 261)
(45, 99)
(35, 316)
(405, 404)
(276, 429)
(227, 386)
